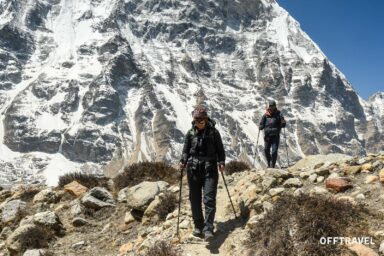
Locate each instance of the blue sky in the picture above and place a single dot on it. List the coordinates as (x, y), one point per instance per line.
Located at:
(350, 33)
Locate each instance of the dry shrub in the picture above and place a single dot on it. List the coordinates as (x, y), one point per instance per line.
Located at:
(28, 193)
(85, 179)
(236, 166)
(34, 237)
(295, 225)
(145, 171)
(162, 248)
(168, 205)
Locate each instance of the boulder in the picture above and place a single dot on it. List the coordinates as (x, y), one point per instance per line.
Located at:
(363, 160)
(318, 191)
(75, 188)
(371, 179)
(125, 248)
(79, 245)
(381, 175)
(381, 248)
(13, 211)
(129, 218)
(78, 222)
(305, 174)
(367, 166)
(46, 196)
(362, 250)
(76, 208)
(352, 170)
(278, 173)
(298, 192)
(276, 191)
(268, 182)
(37, 252)
(140, 196)
(98, 198)
(360, 197)
(338, 184)
(48, 220)
(150, 214)
(293, 182)
(28, 236)
(334, 175)
(250, 194)
(312, 178)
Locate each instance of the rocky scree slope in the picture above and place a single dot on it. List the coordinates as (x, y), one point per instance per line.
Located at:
(77, 220)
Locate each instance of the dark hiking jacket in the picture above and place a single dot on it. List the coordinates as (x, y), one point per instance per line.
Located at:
(272, 122)
(205, 144)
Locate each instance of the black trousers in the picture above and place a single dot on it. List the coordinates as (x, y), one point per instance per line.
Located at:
(203, 177)
(271, 142)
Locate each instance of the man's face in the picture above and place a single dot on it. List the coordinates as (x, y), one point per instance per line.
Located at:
(200, 123)
(272, 107)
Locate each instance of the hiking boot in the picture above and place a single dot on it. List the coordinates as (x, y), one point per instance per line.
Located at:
(208, 235)
(197, 232)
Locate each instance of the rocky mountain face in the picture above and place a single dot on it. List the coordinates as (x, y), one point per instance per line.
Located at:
(328, 196)
(88, 83)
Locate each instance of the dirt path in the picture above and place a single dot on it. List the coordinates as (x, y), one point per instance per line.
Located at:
(226, 228)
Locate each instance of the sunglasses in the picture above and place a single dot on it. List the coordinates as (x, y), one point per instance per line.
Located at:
(199, 121)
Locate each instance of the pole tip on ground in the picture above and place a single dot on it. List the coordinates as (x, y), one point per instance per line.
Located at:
(176, 240)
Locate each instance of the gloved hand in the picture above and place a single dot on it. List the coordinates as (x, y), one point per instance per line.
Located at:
(182, 165)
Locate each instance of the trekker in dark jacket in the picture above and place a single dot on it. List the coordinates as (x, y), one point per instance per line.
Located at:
(203, 155)
(272, 122)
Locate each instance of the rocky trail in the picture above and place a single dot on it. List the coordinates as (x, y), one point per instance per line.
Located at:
(227, 228)
(320, 196)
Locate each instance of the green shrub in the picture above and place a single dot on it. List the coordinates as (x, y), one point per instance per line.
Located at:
(145, 171)
(236, 166)
(85, 179)
(295, 225)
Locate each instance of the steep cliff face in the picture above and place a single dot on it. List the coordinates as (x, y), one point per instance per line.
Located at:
(89, 81)
(375, 123)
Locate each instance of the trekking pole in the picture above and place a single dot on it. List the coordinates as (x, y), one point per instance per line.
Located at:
(257, 144)
(178, 215)
(225, 183)
(286, 146)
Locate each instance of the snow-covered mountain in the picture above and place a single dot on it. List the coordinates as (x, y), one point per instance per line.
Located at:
(85, 83)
